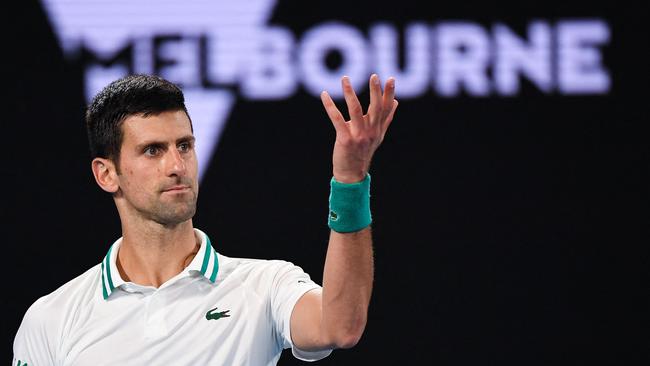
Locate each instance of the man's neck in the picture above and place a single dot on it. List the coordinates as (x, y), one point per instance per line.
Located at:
(153, 254)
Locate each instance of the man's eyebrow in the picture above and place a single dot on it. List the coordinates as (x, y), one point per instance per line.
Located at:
(187, 138)
(149, 143)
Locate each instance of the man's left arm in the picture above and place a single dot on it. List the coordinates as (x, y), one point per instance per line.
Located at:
(336, 316)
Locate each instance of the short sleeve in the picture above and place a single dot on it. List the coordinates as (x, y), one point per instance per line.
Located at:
(290, 283)
(33, 344)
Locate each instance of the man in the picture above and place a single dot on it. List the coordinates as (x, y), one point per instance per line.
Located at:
(163, 295)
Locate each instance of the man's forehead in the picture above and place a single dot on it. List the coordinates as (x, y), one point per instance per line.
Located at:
(167, 125)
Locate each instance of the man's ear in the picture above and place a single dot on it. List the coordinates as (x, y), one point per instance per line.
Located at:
(105, 174)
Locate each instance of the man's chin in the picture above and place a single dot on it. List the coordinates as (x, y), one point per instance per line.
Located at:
(173, 217)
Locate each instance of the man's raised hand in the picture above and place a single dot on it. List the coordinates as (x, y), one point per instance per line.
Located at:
(358, 139)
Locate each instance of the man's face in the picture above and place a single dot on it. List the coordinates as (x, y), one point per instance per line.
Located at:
(158, 168)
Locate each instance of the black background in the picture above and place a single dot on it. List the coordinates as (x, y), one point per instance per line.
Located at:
(508, 231)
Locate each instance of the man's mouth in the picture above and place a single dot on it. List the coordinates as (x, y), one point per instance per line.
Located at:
(178, 188)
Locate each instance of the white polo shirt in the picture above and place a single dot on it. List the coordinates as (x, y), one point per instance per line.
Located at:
(217, 311)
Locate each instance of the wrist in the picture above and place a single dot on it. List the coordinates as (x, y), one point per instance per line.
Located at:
(349, 205)
(349, 177)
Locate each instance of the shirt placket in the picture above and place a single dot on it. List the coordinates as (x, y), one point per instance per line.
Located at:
(156, 316)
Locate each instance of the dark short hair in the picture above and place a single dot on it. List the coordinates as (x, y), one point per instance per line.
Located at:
(143, 95)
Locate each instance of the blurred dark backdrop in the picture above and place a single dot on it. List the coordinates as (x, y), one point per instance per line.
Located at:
(508, 231)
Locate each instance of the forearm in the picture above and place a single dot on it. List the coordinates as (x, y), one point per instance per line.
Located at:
(347, 286)
(336, 317)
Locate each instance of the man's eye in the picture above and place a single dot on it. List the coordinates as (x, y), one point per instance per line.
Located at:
(151, 150)
(184, 147)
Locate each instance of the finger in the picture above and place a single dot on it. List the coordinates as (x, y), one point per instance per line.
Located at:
(376, 104)
(389, 96)
(333, 112)
(354, 107)
(390, 116)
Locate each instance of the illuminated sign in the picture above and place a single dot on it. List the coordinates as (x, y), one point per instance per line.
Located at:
(213, 49)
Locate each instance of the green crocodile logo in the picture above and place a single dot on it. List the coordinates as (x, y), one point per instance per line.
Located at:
(211, 315)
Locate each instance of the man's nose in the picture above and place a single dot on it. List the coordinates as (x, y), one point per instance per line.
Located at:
(176, 163)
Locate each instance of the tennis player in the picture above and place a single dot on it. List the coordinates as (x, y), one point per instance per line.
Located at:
(163, 295)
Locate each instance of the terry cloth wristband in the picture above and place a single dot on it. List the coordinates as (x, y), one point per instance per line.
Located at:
(349, 206)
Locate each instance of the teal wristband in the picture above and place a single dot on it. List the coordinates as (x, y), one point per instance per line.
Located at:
(349, 206)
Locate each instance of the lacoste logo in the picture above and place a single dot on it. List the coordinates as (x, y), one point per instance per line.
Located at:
(333, 216)
(211, 315)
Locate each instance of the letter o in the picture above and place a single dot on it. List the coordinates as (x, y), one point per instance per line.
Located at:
(317, 43)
